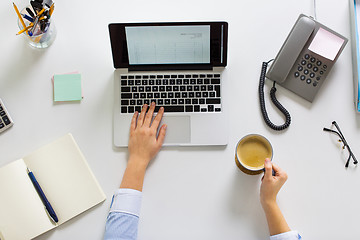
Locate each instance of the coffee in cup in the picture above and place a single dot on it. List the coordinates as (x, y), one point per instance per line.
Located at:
(251, 152)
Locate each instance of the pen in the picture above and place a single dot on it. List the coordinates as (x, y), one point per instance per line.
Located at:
(30, 19)
(48, 3)
(30, 12)
(46, 203)
(37, 6)
(31, 32)
(18, 13)
(36, 21)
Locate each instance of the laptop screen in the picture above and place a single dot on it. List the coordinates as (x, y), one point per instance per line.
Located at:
(180, 45)
(168, 44)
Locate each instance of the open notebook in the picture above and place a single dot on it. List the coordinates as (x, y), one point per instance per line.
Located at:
(64, 176)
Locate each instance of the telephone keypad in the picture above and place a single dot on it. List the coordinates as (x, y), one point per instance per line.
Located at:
(312, 67)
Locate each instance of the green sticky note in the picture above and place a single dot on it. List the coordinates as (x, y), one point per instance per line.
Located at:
(67, 87)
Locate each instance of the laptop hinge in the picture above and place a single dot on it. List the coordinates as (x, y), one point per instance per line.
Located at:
(170, 67)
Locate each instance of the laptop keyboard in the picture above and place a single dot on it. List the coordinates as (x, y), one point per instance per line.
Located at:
(176, 93)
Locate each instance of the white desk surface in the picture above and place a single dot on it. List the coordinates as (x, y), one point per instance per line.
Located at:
(191, 192)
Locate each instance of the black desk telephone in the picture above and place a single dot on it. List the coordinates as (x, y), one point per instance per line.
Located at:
(302, 64)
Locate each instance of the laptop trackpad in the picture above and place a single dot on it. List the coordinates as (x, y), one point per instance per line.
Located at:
(178, 129)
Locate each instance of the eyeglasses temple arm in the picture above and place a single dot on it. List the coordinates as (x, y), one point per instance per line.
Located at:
(347, 162)
(329, 130)
(352, 155)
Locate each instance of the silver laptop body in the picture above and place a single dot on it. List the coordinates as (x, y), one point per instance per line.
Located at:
(190, 92)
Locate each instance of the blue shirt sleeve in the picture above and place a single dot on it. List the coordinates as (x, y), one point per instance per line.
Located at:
(291, 235)
(123, 219)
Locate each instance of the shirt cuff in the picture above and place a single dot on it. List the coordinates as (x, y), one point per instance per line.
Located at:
(126, 200)
(292, 235)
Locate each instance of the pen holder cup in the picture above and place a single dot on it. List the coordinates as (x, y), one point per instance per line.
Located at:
(42, 36)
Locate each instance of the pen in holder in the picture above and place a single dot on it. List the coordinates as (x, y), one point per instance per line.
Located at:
(36, 25)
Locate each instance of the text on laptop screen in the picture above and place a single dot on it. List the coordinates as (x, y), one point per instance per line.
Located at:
(168, 44)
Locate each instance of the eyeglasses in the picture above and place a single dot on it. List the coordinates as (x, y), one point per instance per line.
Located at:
(345, 144)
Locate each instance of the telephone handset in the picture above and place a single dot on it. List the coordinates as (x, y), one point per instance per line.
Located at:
(303, 62)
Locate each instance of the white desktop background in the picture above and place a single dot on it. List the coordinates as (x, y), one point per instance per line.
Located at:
(191, 192)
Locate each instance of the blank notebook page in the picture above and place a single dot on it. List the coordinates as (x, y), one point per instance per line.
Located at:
(65, 178)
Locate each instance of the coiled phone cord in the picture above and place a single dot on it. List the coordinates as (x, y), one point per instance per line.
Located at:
(273, 99)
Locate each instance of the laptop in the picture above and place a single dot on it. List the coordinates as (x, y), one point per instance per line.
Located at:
(178, 66)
